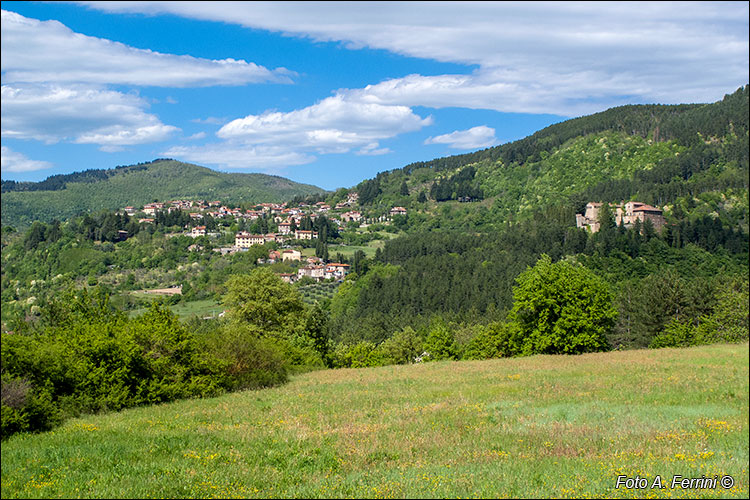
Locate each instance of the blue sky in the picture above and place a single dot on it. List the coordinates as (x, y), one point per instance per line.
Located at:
(332, 93)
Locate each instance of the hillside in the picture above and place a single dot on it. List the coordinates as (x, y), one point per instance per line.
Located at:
(541, 426)
(693, 155)
(62, 197)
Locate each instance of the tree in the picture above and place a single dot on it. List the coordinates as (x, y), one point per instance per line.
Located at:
(561, 308)
(422, 197)
(35, 235)
(404, 191)
(440, 342)
(264, 300)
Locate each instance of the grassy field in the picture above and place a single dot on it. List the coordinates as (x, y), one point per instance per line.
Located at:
(543, 426)
(184, 310)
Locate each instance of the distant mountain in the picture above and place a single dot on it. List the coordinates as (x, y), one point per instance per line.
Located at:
(64, 196)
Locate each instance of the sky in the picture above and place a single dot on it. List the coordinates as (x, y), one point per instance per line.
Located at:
(332, 93)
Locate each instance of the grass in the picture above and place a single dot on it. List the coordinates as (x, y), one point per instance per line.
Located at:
(543, 426)
(186, 310)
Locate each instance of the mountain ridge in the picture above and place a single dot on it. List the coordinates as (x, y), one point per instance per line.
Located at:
(92, 190)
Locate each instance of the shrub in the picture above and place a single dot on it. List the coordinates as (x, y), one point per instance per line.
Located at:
(495, 340)
(402, 347)
(440, 343)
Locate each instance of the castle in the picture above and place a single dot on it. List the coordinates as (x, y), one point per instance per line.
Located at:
(625, 215)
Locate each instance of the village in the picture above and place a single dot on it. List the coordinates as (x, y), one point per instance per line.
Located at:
(288, 221)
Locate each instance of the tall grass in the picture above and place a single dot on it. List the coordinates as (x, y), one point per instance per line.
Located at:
(543, 426)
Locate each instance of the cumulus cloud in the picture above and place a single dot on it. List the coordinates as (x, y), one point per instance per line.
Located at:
(473, 138)
(566, 58)
(333, 125)
(79, 114)
(13, 161)
(240, 156)
(48, 51)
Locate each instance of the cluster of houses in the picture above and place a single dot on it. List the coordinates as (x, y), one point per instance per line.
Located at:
(318, 272)
(624, 214)
(282, 214)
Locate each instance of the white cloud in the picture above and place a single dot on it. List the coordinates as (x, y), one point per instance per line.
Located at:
(334, 125)
(48, 51)
(566, 58)
(79, 114)
(473, 138)
(273, 140)
(13, 161)
(238, 156)
(199, 135)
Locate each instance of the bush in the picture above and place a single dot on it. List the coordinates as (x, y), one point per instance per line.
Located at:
(402, 348)
(440, 343)
(492, 341)
(246, 360)
(675, 334)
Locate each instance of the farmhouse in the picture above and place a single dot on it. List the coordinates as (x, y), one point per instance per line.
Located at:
(291, 255)
(198, 231)
(315, 271)
(336, 270)
(398, 211)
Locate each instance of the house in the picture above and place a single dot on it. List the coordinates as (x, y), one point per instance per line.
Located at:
(246, 240)
(288, 277)
(198, 231)
(285, 227)
(152, 208)
(291, 255)
(145, 221)
(336, 270)
(274, 256)
(305, 235)
(129, 210)
(398, 211)
(314, 271)
(351, 216)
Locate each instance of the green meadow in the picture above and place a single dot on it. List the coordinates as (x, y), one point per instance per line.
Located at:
(185, 310)
(541, 426)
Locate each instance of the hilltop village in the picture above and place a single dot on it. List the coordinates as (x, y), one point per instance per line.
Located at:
(291, 225)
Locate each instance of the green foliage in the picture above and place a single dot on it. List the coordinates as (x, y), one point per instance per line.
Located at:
(161, 179)
(264, 300)
(726, 322)
(440, 343)
(83, 356)
(561, 308)
(248, 360)
(495, 340)
(360, 355)
(403, 347)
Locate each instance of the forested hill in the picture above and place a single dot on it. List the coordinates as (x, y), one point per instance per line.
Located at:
(64, 196)
(658, 154)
